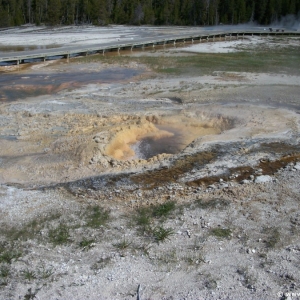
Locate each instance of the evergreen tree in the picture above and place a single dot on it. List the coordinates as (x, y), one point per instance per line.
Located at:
(99, 12)
(149, 17)
(54, 7)
(173, 12)
(4, 15)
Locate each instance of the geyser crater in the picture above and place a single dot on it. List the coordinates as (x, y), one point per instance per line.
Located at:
(154, 135)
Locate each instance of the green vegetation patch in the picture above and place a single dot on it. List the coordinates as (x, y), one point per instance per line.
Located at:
(96, 217)
(59, 235)
(86, 244)
(221, 232)
(162, 234)
(122, 245)
(4, 271)
(259, 60)
(29, 230)
(272, 236)
(163, 210)
(277, 61)
(146, 216)
(8, 253)
(29, 275)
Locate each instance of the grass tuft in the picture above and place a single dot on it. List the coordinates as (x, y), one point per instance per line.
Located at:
(45, 273)
(145, 216)
(273, 237)
(87, 244)
(28, 275)
(163, 210)
(7, 254)
(221, 232)
(124, 244)
(161, 234)
(97, 217)
(4, 271)
(59, 235)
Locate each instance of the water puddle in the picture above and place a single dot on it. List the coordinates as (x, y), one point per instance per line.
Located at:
(151, 146)
(18, 86)
(8, 137)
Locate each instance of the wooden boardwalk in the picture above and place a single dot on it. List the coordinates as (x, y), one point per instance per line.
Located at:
(50, 54)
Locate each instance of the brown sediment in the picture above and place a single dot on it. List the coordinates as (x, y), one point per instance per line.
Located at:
(290, 154)
(271, 167)
(170, 174)
(278, 147)
(242, 173)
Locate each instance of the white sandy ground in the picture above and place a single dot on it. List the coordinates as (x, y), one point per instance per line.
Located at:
(72, 35)
(222, 47)
(86, 35)
(229, 46)
(40, 38)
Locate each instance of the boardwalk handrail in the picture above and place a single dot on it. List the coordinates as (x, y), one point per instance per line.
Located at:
(104, 48)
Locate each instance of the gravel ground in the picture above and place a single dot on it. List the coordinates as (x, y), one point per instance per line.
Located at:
(83, 216)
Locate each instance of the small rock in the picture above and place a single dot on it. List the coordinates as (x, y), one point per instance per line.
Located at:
(212, 186)
(258, 171)
(263, 179)
(287, 296)
(245, 181)
(224, 185)
(297, 166)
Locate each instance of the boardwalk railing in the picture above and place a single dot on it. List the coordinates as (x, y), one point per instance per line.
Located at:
(69, 52)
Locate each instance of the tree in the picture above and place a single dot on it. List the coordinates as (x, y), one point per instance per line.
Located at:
(4, 16)
(149, 17)
(54, 8)
(138, 14)
(176, 12)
